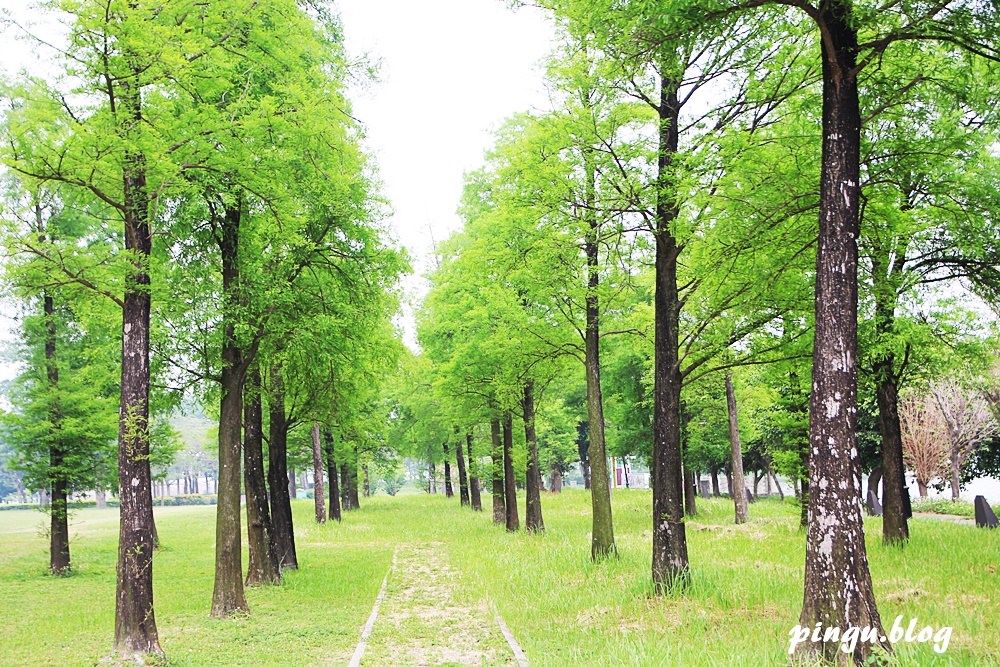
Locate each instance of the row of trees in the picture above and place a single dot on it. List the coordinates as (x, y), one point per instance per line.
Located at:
(193, 171)
(661, 221)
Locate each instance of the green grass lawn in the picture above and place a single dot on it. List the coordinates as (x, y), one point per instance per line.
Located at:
(563, 609)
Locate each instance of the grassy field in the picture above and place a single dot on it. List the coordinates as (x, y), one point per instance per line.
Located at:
(563, 609)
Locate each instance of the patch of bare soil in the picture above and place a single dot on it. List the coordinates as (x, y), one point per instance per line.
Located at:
(426, 618)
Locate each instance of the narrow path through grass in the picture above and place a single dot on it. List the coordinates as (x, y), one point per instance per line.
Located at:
(426, 620)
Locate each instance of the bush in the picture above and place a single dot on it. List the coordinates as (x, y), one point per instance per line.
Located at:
(186, 499)
(393, 483)
(18, 506)
(945, 506)
(73, 505)
(175, 501)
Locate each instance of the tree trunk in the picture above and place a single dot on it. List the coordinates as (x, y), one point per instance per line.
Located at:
(345, 487)
(474, 491)
(499, 506)
(228, 595)
(804, 486)
(509, 481)
(715, 483)
(922, 488)
(602, 542)
(838, 586)
(555, 479)
(352, 479)
(895, 527)
(736, 454)
(463, 479)
(690, 494)
(448, 490)
(317, 452)
(367, 489)
(533, 496)
(873, 482)
(281, 484)
(777, 484)
(262, 561)
(59, 560)
(956, 471)
(689, 489)
(671, 567)
(431, 477)
(102, 498)
(331, 474)
(135, 622)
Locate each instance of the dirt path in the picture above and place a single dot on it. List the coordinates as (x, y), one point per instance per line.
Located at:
(424, 619)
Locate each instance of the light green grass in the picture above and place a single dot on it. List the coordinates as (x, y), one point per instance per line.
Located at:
(563, 609)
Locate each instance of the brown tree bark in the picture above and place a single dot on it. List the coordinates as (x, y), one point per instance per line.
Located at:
(533, 496)
(463, 479)
(367, 489)
(555, 479)
(352, 478)
(228, 595)
(135, 621)
(499, 505)
(838, 587)
(448, 490)
(690, 494)
(602, 542)
(509, 487)
(59, 559)
(670, 557)
(281, 484)
(317, 453)
(331, 474)
(345, 491)
(873, 482)
(715, 483)
(262, 559)
(738, 489)
(777, 484)
(895, 525)
(474, 491)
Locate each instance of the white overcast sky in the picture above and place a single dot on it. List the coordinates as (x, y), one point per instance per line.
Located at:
(449, 72)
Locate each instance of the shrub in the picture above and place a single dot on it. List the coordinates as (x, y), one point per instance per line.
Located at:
(945, 506)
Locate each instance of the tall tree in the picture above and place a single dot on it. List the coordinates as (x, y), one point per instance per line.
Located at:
(738, 488)
(463, 479)
(512, 521)
(262, 561)
(477, 503)
(533, 498)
